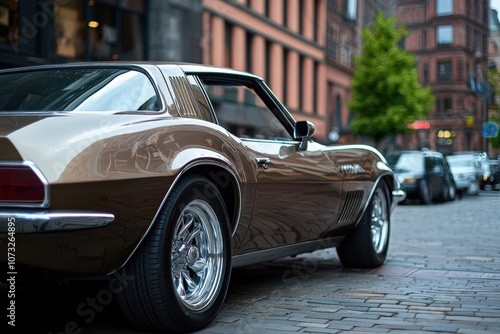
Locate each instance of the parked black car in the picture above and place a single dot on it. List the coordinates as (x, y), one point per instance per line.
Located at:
(493, 182)
(424, 175)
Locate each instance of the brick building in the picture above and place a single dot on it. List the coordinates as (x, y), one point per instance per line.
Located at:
(280, 40)
(450, 41)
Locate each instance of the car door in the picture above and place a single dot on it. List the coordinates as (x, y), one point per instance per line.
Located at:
(297, 190)
(435, 175)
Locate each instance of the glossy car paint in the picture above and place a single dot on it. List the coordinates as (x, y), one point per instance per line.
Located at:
(125, 164)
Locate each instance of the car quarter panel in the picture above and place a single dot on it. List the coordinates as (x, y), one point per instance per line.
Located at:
(118, 164)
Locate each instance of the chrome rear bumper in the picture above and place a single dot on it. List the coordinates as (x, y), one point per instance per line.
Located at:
(51, 221)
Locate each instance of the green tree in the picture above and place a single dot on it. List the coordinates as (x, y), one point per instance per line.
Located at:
(494, 80)
(386, 92)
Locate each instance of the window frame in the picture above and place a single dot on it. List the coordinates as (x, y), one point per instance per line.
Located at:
(443, 3)
(450, 70)
(440, 29)
(260, 88)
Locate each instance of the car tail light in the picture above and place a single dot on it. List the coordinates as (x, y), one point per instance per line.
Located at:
(21, 185)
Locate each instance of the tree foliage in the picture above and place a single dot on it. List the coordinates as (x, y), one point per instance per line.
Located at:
(386, 92)
(494, 80)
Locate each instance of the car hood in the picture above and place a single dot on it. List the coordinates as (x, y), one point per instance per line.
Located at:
(462, 170)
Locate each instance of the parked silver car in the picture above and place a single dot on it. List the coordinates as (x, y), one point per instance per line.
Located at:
(466, 170)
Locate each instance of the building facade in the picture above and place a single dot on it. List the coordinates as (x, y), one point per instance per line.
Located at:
(450, 40)
(282, 41)
(55, 31)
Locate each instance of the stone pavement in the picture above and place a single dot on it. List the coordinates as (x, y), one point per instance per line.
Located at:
(442, 276)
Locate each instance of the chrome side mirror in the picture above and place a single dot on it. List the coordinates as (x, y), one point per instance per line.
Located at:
(303, 131)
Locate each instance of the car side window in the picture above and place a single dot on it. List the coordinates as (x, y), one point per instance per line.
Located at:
(240, 110)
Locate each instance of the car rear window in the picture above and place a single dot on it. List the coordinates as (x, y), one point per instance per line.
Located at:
(77, 89)
(406, 162)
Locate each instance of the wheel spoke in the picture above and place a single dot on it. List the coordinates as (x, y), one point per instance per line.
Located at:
(181, 292)
(193, 234)
(198, 266)
(187, 278)
(188, 221)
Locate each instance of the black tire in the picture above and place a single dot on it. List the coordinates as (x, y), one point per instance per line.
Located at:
(367, 245)
(189, 243)
(446, 193)
(452, 192)
(425, 193)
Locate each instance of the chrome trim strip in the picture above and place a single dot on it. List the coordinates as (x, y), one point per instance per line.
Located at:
(52, 221)
(284, 251)
(39, 174)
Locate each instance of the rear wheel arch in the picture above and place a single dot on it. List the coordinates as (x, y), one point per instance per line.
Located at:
(227, 184)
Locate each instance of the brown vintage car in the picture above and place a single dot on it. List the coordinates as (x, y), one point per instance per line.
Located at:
(173, 174)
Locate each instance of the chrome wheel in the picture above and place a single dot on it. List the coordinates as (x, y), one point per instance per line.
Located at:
(197, 255)
(379, 224)
(182, 269)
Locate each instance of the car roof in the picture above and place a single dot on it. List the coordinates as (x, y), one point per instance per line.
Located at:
(186, 67)
(422, 152)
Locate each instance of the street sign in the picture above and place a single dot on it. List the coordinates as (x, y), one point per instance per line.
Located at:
(490, 130)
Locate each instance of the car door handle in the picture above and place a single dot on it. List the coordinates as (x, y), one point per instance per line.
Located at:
(263, 162)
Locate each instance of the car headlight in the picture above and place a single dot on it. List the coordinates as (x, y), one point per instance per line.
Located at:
(485, 177)
(410, 180)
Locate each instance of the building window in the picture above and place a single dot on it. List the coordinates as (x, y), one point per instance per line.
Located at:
(350, 9)
(444, 70)
(228, 37)
(426, 74)
(268, 75)
(444, 34)
(285, 76)
(285, 13)
(249, 60)
(423, 40)
(301, 17)
(444, 7)
(338, 113)
(315, 88)
(9, 23)
(301, 83)
(175, 35)
(467, 37)
(69, 28)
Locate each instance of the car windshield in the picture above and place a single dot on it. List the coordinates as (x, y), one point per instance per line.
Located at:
(406, 162)
(456, 161)
(77, 89)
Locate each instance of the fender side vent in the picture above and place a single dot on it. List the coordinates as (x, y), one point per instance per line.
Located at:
(352, 205)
